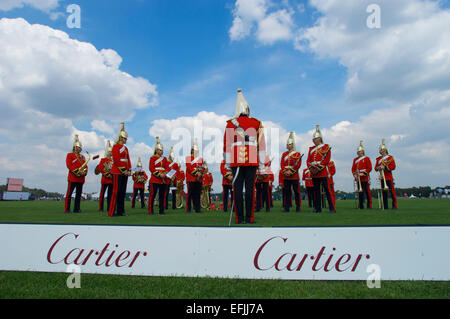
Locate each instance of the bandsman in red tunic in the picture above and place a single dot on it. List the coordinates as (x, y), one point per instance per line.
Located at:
(208, 180)
(159, 167)
(194, 178)
(262, 185)
(271, 180)
(281, 184)
(291, 160)
(309, 186)
(121, 170)
(227, 182)
(361, 168)
(77, 165)
(384, 166)
(171, 179)
(104, 168)
(139, 180)
(331, 171)
(318, 158)
(244, 151)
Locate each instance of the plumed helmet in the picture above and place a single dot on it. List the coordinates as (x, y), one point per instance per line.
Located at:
(383, 145)
(171, 154)
(158, 145)
(76, 142)
(242, 106)
(108, 148)
(317, 132)
(122, 132)
(195, 146)
(291, 140)
(360, 147)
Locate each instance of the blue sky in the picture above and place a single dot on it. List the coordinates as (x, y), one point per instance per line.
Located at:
(299, 63)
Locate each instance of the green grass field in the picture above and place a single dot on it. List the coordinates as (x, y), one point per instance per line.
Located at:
(53, 285)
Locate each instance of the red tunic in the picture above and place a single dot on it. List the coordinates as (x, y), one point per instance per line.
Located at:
(104, 167)
(173, 168)
(193, 167)
(157, 165)
(180, 177)
(207, 179)
(137, 183)
(331, 168)
(319, 156)
(73, 163)
(239, 150)
(280, 178)
(389, 162)
(121, 159)
(307, 178)
(364, 165)
(291, 161)
(225, 171)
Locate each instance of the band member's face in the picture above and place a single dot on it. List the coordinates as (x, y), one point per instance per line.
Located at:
(109, 154)
(77, 149)
(317, 141)
(123, 140)
(290, 147)
(360, 153)
(159, 152)
(382, 151)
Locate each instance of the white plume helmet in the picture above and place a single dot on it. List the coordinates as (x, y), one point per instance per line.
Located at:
(360, 147)
(242, 106)
(291, 140)
(171, 155)
(383, 145)
(158, 145)
(122, 132)
(108, 148)
(195, 146)
(317, 132)
(76, 142)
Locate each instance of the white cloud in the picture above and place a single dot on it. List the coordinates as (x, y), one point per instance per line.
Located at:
(47, 81)
(254, 16)
(43, 5)
(43, 69)
(102, 126)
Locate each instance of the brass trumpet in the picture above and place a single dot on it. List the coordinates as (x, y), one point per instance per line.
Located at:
(359, 182)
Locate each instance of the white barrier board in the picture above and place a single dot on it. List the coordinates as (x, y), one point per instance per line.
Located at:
(325, 253)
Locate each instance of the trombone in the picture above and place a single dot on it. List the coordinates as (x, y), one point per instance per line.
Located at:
(380, 196)
(359, 182)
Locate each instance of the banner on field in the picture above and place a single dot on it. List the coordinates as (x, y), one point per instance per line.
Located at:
(305, 253)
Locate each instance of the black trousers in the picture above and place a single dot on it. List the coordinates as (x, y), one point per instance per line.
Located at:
(227, 190)
(106, 188)
(364, 195)
(292, 185)
(118, 197)
(193, 197)
(244, 176)
(78, 187)
(174, 199)
(262, 196)
(310, 193)
(393, 195)
(155, 188)
(136, 192)
(321, 182)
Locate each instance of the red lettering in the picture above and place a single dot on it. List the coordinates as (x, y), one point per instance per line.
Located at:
(50, 251)
(339, 262)
(120, 258)
(258, 252)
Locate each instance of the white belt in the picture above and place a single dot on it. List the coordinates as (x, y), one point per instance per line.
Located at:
(244, 143)
(124, 160)
(160, 168)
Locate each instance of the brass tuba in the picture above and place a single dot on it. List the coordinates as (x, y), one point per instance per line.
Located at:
(179, 196)
(204, 197)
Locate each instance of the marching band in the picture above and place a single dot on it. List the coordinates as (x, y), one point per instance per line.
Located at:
(245, 166)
